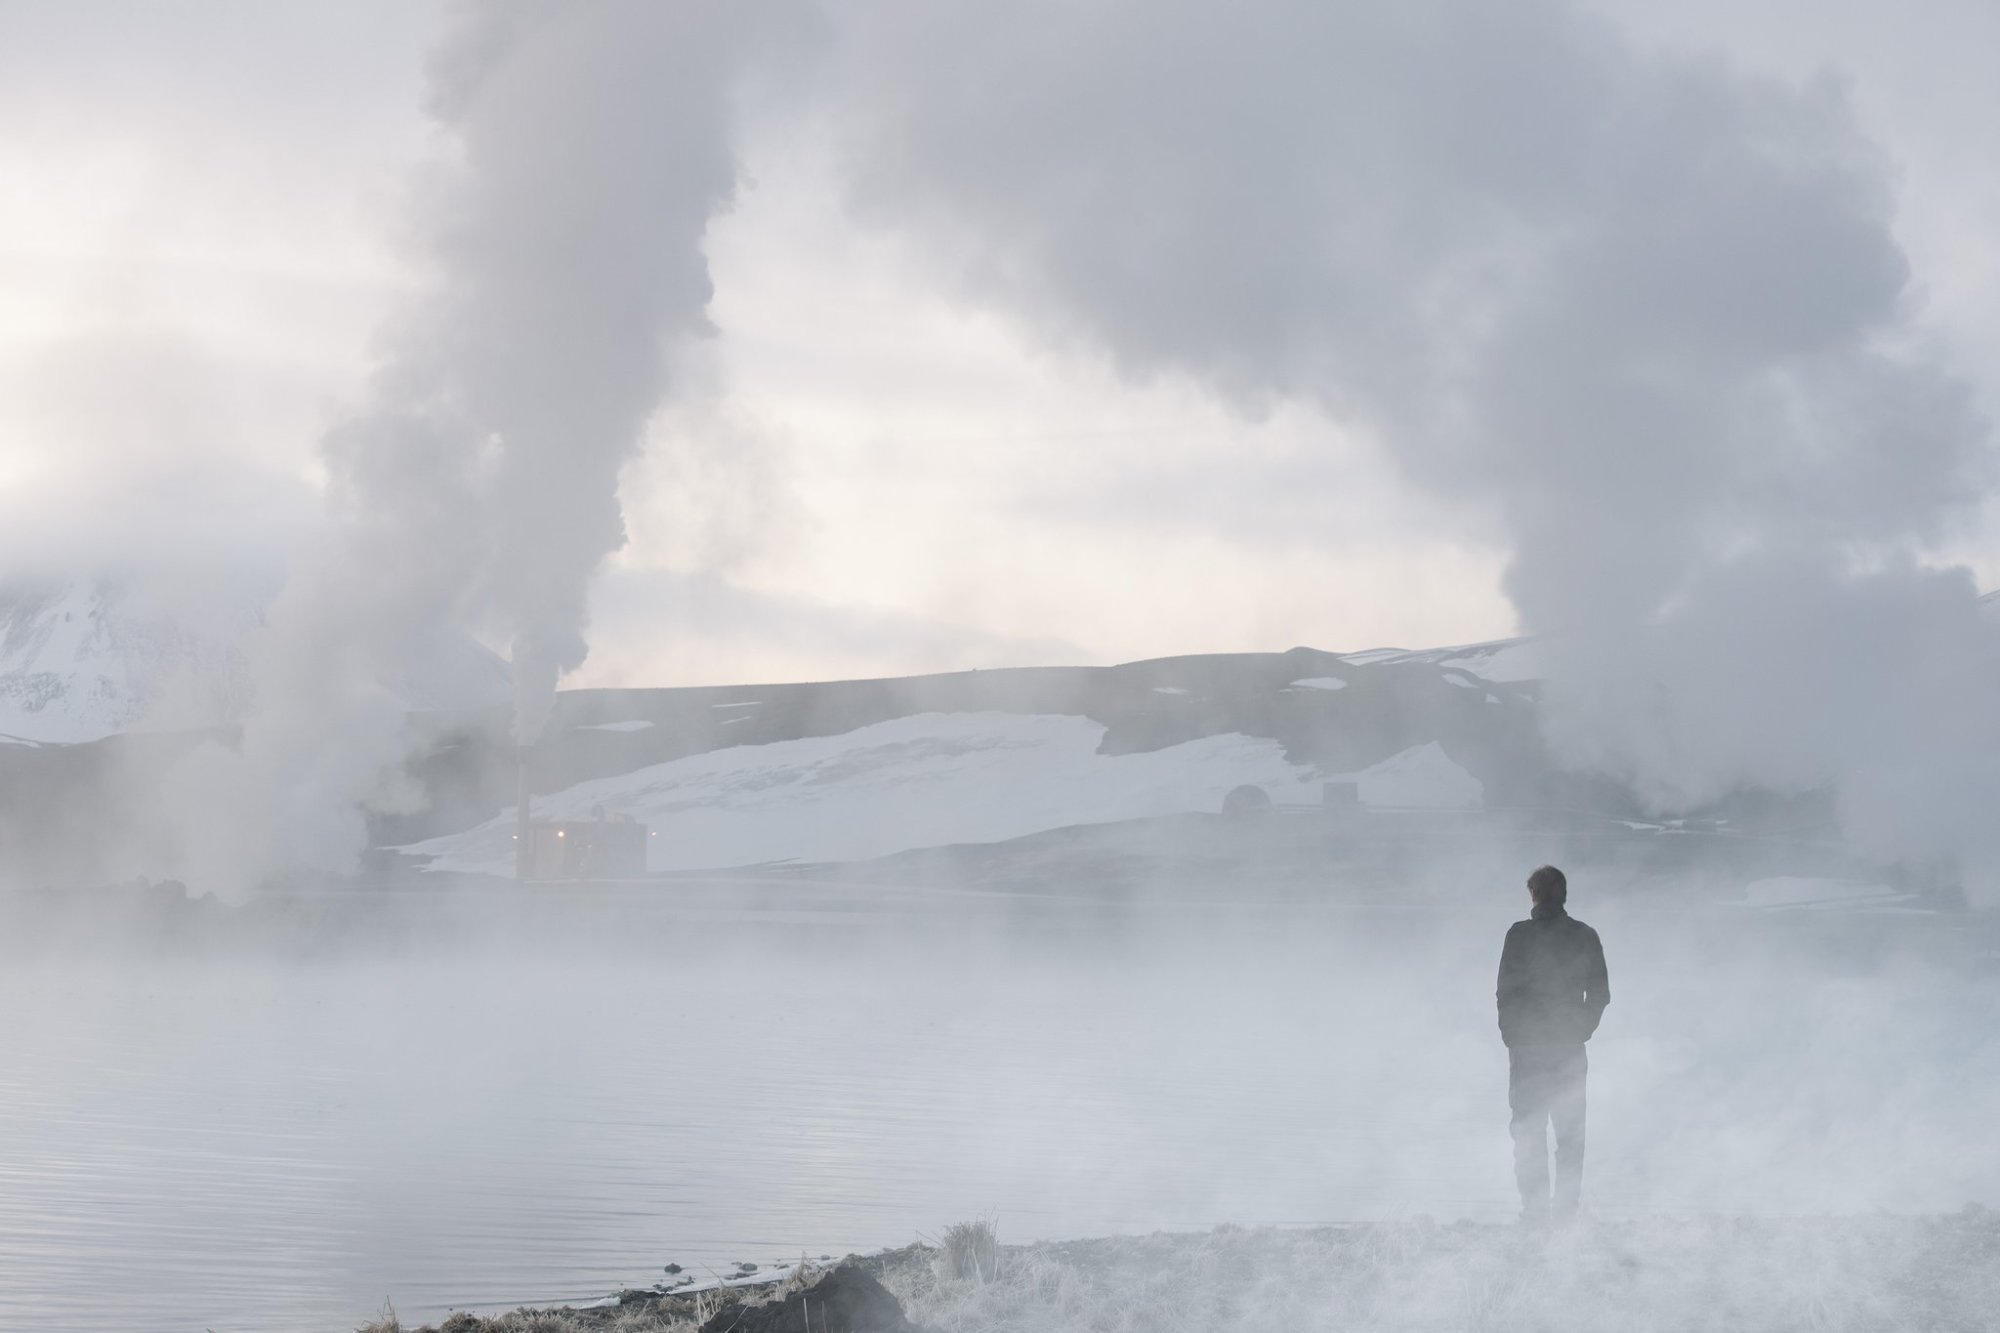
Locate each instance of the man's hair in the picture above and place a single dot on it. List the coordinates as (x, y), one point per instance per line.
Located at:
(1549, 886)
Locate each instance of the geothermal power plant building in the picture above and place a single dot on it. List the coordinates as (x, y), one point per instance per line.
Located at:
(605, 847)
(613, 848)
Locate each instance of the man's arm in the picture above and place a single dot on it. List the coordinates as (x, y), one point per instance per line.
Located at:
(1512, 976)
(1596, 986)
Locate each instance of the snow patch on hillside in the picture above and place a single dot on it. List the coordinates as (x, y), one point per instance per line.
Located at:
(1501, 662)
(1506, 663)
(929, 780)
(1423, 777)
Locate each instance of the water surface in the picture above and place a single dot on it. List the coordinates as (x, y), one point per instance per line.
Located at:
(475, 1115)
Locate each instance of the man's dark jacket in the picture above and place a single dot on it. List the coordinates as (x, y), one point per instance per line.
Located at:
(1553, 987)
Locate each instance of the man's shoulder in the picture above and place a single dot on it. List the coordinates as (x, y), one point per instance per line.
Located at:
(1562, 925)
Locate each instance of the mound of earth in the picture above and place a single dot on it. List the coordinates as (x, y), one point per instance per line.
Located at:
(847, 1300)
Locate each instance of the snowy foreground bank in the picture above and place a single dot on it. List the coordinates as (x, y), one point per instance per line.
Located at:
(1874, 1272)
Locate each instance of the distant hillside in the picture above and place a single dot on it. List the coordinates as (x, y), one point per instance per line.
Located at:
(845, 770)
(869, 767)
(83, 660)
(86, 659)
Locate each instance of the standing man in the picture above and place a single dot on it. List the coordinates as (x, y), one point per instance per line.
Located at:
(1553, 989)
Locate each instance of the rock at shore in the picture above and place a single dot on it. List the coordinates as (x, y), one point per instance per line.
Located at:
(846, 1300)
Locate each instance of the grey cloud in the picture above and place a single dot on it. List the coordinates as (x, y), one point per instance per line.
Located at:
(150, 450)
(1312, 491)
(699, 619)
(1550, 272)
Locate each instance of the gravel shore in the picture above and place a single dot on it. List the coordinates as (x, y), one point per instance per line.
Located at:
(1872, 1272)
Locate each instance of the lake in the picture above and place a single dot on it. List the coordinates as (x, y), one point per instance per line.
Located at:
(481, 1102)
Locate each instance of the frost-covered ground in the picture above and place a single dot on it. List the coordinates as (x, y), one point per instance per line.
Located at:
(1938, 1274)
(936, 779)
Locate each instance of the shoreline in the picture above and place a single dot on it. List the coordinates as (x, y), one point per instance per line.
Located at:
(1938, 1272)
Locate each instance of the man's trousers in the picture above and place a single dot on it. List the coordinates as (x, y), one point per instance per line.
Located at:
(1545, 1086)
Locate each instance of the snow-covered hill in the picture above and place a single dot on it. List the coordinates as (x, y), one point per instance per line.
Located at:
(83, 660)
(935, 779)
(822, 771)
(852, 770)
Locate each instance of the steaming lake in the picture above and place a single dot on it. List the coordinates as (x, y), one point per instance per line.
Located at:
(476, 1111)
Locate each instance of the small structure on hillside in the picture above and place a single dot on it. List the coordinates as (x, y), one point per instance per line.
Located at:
(1246, 801)
(608, 847)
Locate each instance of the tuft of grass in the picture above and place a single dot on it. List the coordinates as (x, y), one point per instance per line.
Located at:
(969, 1252)
(386, 1322)
(802, 1276)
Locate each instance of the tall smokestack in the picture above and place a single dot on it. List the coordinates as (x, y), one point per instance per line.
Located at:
(522, 795)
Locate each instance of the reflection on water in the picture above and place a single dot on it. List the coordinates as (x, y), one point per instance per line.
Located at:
(253, 1144)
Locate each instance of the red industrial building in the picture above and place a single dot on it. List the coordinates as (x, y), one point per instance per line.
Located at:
(609, 848)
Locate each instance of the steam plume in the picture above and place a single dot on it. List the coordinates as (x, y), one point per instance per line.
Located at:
(596, 146)
(477, 488)
(1646, 311)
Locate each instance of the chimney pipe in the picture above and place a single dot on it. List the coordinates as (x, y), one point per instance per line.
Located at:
(523, 854)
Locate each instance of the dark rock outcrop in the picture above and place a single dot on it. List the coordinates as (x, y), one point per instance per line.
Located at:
(847, 1300)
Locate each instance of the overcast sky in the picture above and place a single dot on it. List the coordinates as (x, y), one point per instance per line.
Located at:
(204, 218)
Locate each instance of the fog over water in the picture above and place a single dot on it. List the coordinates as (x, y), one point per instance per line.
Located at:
(519, 1101)
(1636, 325)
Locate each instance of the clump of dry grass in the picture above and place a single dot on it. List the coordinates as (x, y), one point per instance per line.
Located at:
(386, 1322)
(803, 1275)
(969, 1251)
